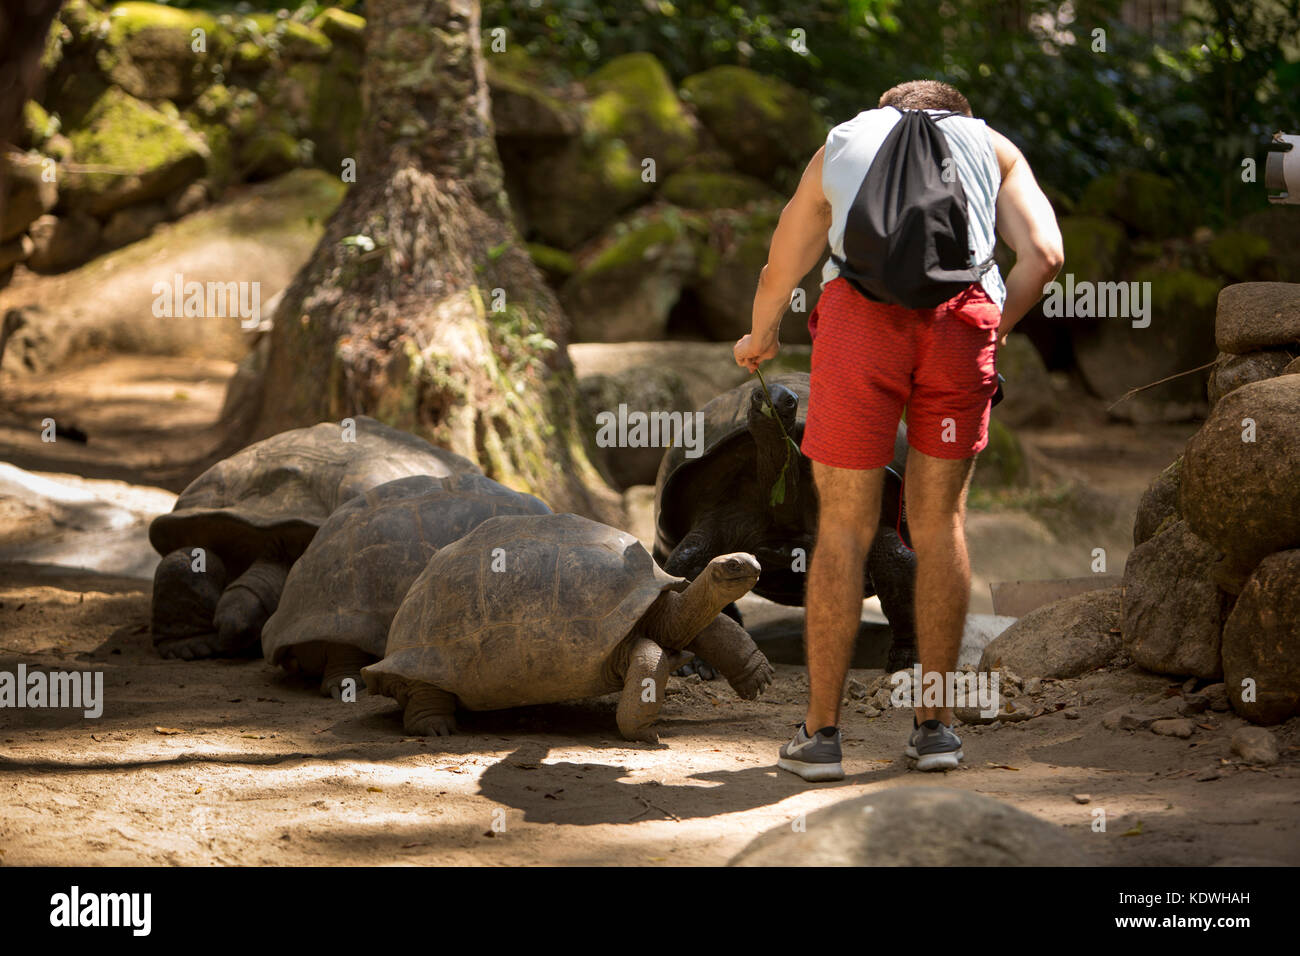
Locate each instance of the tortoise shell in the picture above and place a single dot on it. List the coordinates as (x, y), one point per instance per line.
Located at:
(349, 582)
(522, 610)
(271, 497)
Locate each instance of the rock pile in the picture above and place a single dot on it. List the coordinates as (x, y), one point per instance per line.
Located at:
(1212, 589)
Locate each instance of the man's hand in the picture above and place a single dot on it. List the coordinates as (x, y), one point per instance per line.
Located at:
(751, 352)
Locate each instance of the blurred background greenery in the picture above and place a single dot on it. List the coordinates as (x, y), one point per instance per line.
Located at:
(1184, 89)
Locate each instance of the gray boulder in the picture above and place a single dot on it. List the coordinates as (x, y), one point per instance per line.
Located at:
(61, 242)
(1233, 371)
(1242, 496)
(1257, 315)
(1159, 503)
(915, 826)
(1063, 639)
(1261, 641)
(27, 194)
(1173, 612)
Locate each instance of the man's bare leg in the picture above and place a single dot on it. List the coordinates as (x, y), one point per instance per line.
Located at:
(935, 491)
(848, 512)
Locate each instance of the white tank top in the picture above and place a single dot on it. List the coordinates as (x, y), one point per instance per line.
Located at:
(850, 148)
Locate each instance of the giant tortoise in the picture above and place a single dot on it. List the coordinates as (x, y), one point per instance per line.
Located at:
(236, 529)
(341, 595)
(723, 501)
(542, 609)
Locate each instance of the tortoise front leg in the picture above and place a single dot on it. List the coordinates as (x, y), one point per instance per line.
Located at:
(645, 682)
(891, 567)
(728, 647)
(428, 711)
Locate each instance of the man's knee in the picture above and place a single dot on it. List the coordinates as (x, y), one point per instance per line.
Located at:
(846, 539)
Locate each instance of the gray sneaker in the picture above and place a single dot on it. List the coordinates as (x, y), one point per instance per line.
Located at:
(813, 758)
(934, 746)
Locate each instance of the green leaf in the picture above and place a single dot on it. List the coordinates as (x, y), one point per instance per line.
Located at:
(778, 490)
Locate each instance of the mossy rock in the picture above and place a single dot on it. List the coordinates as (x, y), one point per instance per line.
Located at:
(341, 26)
(333, 119)
(1114, 356)
(571, 193)
(38, 125)
(628, 285)
(1280, 227)
(1093, 246)
(1028, 399)
(730, 261)
(634, 100)
(269, 153)
(149, 51)
(1240, 255)
(764, 123)
(291, 39)
(556, 264)
(1002, 462)
(526, 105)
(1149, 204)
(714, 190)
(152, 155)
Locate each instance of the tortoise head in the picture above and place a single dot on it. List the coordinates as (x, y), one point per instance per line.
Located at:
(785, 406)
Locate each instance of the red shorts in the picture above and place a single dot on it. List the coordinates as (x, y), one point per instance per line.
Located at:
(870, 360)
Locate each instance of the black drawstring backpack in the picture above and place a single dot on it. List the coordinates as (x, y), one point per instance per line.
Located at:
(905, 239)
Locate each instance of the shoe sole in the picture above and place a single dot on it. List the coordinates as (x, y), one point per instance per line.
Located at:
(940, 761)
(812, 771)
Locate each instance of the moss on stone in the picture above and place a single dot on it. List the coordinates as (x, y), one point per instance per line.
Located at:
(1092, 247)
(38, 125)
(1238, 254)
(763, 122)
(634, 100)
(1002, 461)
(1175, 291)
(150, 154)
(149, 49)
(632, 246)
(714, 190)
(1149, 204)
(556, 264)
(340, 25)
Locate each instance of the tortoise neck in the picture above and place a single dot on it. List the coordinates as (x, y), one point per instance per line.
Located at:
(771, 453)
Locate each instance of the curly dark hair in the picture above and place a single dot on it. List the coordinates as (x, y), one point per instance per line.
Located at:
(925, 95)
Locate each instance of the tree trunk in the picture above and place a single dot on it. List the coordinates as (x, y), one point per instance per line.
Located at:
(24, 25)
(420, 306)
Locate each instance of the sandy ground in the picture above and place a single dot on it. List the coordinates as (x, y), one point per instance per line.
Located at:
(233, 762)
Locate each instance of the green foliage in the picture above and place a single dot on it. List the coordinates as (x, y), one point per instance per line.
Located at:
(1189, 101)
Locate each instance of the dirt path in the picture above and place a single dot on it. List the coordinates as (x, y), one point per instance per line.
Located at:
(255, 767)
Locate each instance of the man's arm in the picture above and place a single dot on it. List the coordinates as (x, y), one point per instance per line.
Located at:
(797, 245)
(1027, 224)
